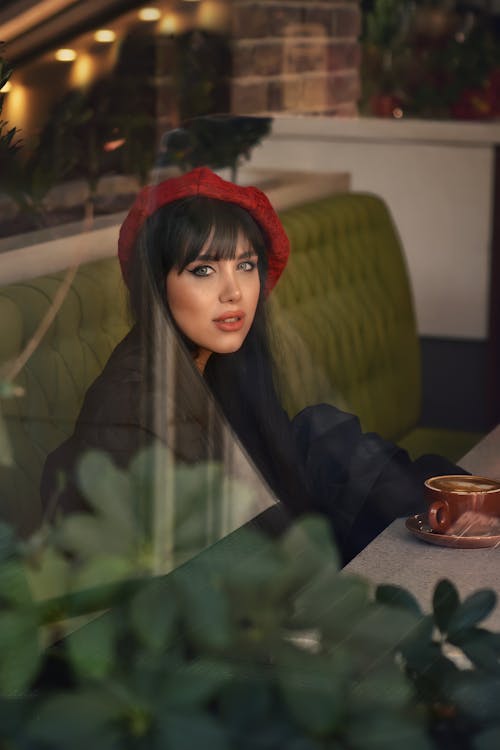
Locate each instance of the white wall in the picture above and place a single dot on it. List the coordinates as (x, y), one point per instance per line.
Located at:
(437, 180)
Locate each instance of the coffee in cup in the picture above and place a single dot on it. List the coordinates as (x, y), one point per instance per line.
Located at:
(450, 496)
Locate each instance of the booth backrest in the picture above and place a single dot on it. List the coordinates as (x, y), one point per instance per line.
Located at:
(91, 321)
(344, 315)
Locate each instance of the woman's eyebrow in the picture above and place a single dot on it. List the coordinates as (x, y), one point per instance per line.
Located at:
(205, 256)
(249, 253)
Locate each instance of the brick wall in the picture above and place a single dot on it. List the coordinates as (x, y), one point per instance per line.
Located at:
(298, 56)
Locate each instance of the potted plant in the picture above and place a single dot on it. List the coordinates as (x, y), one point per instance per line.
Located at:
(252, 643)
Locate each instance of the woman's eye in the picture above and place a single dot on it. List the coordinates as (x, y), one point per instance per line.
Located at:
(202, 271)
(246, 265)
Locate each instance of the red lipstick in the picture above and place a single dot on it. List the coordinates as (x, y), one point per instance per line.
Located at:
(230, 321)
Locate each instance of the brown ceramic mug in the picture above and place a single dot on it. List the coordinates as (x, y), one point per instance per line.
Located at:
(452, 495)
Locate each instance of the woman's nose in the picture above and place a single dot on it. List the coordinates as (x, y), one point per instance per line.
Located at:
(230, 290)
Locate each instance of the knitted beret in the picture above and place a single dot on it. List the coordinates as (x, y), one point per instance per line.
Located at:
(204, 182)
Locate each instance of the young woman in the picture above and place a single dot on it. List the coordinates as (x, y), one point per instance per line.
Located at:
(199, 256)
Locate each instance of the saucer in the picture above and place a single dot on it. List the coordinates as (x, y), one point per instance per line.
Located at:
(418, 526)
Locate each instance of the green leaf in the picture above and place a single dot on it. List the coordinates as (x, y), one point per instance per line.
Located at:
(91, 648)
(480, 646)
(103, 570)
(258, 581)
(108, 489)
(418, 648)
(84, 536)
(8, 542)
(308, 545)
(475, 694)
(331, 602)
(189, 731)
(313, 687)
(246, 702)
(307, 743)
(232, 556)
(444, 603)
(19, 647)
(50, 576)
(396, 596)
(154, 613)
(14, 587)
(195, 683)
(81, 719)
(380, 731)
(379, 633)
(193, 483)
(205, 607)
(6, 457)
(88, 601)
(472, 610)
(489, 739)
(14, 713)
(385, 689)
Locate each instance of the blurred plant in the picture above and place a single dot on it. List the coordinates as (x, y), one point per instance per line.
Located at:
(215, 141)
(29, 173)
(251, 644)
(88, 133)
(387, 23)
(200, 70)
(139, 144)
(454, 665)
(8, 143)
(430, 59)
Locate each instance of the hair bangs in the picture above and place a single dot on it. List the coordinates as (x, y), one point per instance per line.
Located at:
(215, 228)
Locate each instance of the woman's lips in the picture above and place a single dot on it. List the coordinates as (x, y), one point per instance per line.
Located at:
(231, 321)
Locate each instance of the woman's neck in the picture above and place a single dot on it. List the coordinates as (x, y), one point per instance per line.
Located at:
(201, 358)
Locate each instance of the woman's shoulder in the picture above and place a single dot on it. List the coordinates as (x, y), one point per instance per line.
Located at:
(115, 395)
(126, 361)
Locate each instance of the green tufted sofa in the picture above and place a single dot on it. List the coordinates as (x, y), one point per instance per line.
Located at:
(344, 333)
(91, 321)
(344, 313)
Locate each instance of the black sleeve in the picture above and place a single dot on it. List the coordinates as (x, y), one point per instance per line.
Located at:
(359, 480)
(109, 422)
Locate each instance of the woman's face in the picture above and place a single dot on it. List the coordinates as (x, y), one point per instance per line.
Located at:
(214, 301)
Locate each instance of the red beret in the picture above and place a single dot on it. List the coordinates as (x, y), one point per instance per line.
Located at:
(202, 181)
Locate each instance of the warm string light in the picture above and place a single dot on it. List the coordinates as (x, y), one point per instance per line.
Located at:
(149, 14)
(65, 55)
(169, 24)
(104, 36)
(213, 15)
(84, 70)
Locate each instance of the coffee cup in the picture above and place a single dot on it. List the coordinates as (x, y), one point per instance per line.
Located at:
(452, 495)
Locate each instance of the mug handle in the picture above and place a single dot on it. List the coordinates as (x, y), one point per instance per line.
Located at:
(439, 515)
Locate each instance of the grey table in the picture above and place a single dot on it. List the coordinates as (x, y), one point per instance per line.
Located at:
(397, 557)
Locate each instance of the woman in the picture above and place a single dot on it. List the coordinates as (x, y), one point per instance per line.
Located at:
(199, 256)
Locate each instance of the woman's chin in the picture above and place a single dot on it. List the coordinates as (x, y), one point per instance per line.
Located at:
(229, 348)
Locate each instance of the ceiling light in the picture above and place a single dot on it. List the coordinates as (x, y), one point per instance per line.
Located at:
(105, 36)
(65, 55)
(6, 88)
(149, 14)
(169, 24)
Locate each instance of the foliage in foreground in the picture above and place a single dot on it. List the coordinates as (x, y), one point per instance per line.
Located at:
(9, 144)
(251, 644)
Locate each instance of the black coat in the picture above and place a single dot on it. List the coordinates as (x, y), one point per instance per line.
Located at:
(358, 480)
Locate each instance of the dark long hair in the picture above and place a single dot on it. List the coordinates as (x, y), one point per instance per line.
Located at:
(242, 382)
